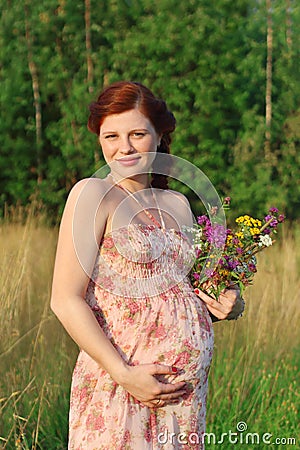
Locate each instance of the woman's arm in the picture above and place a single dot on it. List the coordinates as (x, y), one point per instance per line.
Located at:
(82, 226)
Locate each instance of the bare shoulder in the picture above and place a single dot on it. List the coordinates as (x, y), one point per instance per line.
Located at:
(90, 186)
(88, 193)
(176, 198)
(177, 206)
(85, 214)
(181, 197)
(86, 203)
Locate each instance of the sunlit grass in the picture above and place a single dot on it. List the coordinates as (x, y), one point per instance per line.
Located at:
(255, 371)
(36, 356)
(253, 377)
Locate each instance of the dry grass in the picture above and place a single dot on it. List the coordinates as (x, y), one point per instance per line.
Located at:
(256, 362)
(36, 356)
(254, 376)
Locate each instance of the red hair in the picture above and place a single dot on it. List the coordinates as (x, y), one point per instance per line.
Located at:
(125, 95)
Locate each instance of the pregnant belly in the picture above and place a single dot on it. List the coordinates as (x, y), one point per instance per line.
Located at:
(173, 329)
(177, 336)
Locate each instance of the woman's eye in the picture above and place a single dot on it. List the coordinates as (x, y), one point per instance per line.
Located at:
(138, 134)
(110, 136)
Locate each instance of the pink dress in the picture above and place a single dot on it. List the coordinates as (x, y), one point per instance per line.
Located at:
(142, 299)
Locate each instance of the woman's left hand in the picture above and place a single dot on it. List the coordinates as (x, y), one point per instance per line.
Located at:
(229, 305)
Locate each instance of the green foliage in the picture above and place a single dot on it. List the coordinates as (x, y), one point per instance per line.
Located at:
(207, 59)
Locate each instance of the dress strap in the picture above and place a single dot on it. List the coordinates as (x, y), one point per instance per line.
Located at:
(159, 211)
(145, 210)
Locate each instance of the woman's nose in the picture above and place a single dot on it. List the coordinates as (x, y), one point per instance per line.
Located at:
(125, 146)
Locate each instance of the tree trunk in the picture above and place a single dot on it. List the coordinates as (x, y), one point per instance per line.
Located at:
(268, 154)
(88, 45)
(36, 95)
(89, 60)
(288, 24)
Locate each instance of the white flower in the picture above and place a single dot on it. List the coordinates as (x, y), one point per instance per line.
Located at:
(265, 240)
(194, 234)
(198, 235)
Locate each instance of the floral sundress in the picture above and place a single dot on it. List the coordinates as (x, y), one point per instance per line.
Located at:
(141, 296)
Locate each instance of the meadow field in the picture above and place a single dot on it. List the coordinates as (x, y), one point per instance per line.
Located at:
(254, 379)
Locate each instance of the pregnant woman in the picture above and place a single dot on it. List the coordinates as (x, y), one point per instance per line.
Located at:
(121, 290)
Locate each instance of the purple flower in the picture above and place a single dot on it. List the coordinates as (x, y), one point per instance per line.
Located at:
(273, 210)
(239, 250)
(281, 218)
(233, 264)
(196, 276)
(252, 267)
(267, 231)
(273, 222)
(222, 262)
(216, 235)
(209, 272)
(227, 201)
(203, 220)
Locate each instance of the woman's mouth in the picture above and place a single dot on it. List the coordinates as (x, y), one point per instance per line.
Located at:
(129, 160)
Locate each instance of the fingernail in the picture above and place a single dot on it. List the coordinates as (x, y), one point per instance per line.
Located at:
(197, 291)
(174, 369)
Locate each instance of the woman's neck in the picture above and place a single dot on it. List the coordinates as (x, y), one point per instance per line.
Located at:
(132, 184)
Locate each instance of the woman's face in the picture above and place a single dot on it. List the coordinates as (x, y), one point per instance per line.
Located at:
(126, 139)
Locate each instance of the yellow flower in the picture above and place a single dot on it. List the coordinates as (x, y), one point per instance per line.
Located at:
(229, 239)
(239, 235)
(240, 219)
(254, 231)
(224, 273)
(256, 222)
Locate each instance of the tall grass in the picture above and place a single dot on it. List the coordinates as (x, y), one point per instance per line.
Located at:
(255, 372)
(253, 377)
(36, 356)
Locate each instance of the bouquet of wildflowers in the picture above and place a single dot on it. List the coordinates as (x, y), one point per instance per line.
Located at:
(226, 257)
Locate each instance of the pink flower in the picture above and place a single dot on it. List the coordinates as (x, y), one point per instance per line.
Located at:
(147, 435)
(183, 359)
(108, 242)
(133, 306)
(126, 437)
(95, 422)
(203, 220)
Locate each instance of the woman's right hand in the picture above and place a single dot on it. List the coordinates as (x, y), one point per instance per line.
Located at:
(142, 383)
